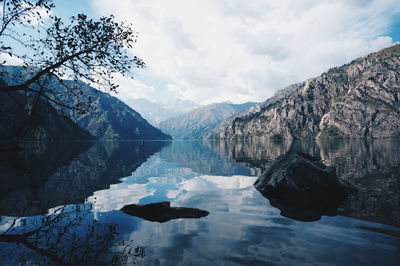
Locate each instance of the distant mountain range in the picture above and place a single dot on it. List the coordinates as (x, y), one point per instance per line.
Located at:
(356, 100)
(198, 123)
(110, 119)
(156, 112)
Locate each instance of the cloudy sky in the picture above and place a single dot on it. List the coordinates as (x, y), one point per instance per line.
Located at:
(234, 50)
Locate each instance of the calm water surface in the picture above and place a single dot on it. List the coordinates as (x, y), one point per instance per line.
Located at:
(60, 204)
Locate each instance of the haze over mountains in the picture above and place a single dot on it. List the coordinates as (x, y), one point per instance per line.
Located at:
(198, 123)
(156, 112)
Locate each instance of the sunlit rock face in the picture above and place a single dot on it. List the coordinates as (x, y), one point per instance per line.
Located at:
(356, 100)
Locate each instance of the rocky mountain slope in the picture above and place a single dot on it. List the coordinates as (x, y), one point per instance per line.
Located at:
(24, 116)
(356, 100)
(109, 119)
(112, 119)
(198, 123)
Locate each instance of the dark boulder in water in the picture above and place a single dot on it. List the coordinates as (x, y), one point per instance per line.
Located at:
(302, 187)
(162, 212)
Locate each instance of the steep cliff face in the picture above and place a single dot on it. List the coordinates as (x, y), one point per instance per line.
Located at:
(357, 100)
(197, 123)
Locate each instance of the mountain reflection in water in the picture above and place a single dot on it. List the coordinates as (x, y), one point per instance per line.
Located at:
(44, 176)
(60, 204)
(372, 166)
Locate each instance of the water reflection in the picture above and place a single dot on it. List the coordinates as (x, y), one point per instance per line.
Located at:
(371, 165)
(87, 188)
(34, 163)
(68, 236)
(255, 154)
(202, 157)
(374, 167)
(45, 176)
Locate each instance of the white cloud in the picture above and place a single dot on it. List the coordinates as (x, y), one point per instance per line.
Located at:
(234, 50)
(380, 42)
(132, 88)
(119, 195)
(10, 60)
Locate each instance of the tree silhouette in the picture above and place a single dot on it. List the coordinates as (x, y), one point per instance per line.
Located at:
(83, 49)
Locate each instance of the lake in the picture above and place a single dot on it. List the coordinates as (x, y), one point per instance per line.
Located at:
(60, 203)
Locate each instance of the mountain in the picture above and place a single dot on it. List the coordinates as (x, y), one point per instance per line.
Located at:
(197, 123)
(109, 119)
(356, 100)
(255, 108)
(112, 119)
(24, 116)
(156, 112)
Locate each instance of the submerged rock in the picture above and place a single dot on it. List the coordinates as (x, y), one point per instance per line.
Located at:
(302, 187)
(162, 212)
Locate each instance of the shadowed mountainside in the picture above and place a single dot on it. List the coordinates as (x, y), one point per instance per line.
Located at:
(24, 116)
(107, 119)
